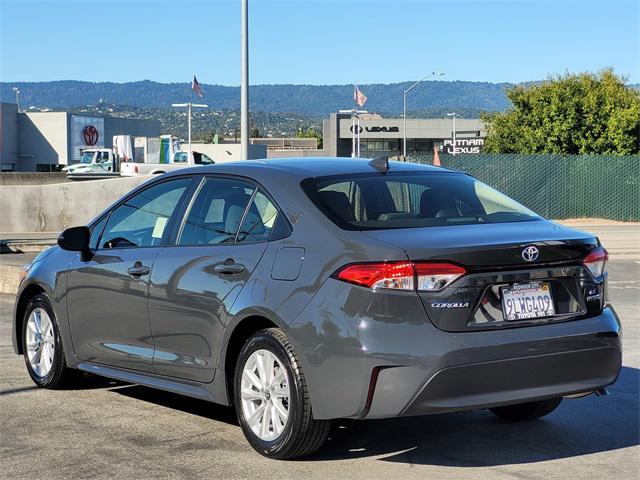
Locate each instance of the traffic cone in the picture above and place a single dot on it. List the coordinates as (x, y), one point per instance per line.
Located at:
(436, 157)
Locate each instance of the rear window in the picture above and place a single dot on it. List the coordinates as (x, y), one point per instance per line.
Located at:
(373, 201)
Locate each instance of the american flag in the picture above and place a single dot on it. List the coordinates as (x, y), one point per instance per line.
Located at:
(195, 86)
(359, 97)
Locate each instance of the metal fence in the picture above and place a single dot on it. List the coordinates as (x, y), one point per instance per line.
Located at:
(559, 186)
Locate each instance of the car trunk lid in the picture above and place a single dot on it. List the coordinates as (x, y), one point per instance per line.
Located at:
(494, 258)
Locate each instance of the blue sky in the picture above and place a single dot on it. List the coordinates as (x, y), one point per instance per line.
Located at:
(316, 41)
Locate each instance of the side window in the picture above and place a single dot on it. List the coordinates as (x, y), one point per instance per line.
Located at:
(258, 221)
(142, 220)
(217, 211)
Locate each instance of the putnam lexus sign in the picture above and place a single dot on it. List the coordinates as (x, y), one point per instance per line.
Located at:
(463, 145)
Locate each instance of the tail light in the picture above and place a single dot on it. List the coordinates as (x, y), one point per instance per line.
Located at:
(421, 276)
(436, 276)
(135, 168)
(596, 261)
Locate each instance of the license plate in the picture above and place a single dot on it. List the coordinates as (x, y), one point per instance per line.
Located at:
(524, 301)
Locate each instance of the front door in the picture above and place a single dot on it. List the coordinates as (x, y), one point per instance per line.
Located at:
(195, 283)
(107, 296)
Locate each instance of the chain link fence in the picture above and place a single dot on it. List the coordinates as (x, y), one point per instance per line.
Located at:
(558, 186)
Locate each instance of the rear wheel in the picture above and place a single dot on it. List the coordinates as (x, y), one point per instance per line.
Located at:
(527, 411)
(272, 401)
(43, 352)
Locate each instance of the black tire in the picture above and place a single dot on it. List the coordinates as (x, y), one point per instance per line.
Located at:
(527, 411)
(302, 435)
(59, 374)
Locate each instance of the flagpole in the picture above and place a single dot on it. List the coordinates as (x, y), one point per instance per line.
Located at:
(189, 116)
(353, 134)
(190, 150)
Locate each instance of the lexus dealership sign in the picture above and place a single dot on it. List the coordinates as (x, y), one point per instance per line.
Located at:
(463, 145)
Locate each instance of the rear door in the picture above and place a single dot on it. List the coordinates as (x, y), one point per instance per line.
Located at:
(195, 282)
(107, 296)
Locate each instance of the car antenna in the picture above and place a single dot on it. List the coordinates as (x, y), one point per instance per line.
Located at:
(380, 163)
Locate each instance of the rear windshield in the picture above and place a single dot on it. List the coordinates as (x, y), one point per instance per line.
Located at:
(373, 201)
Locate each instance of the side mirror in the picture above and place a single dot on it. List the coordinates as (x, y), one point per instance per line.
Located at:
(76, 239)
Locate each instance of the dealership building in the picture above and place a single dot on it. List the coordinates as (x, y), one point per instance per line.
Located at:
(46, 141)
(384, 136)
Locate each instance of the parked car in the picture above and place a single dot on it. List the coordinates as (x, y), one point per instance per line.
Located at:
(305, 290)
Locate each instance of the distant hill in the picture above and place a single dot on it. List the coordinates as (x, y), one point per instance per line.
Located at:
(311, 100)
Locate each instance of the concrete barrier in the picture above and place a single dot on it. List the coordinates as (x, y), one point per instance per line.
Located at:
(54, 207)
(20, 178)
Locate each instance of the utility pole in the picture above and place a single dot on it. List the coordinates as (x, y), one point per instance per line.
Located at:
(244, 83)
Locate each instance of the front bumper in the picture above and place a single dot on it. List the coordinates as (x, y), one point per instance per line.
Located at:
(377, 356)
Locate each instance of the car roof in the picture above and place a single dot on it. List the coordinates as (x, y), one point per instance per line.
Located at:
(302, 168)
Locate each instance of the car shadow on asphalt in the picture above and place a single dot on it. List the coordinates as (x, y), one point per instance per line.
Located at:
(193, 406)
(468, 439)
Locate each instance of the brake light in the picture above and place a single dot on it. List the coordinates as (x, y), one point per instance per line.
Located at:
(596, 261)
(421, 276)
(394, 275)
(436, 276)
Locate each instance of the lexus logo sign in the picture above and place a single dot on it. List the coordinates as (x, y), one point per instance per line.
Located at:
(90, 135)
(377, 129)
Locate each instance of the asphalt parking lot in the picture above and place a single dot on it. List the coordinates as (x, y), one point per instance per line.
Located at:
(104, 429)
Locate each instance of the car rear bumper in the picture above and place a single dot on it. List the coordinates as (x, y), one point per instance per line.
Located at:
(489, 384)
(543, 368)
(377, 356)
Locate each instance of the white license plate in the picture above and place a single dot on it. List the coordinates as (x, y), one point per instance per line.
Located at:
(527, 300)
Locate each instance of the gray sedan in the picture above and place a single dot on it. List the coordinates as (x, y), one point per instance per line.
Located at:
(301, 291)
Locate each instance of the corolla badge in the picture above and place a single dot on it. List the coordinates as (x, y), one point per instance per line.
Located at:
(530, 253)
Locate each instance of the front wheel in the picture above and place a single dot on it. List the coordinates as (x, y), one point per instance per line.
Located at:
(272, 401)
(42, 345)
(527, 411)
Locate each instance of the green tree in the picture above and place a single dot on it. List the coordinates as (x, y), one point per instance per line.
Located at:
(568, 114)
(310, 133)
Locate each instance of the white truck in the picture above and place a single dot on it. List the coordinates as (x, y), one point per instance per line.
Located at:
(179, 160)
(94, 160)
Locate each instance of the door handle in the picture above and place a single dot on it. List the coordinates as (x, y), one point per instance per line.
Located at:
(138, 270)
(229, 268)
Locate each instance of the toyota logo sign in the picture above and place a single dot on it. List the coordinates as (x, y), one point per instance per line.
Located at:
(530, 253)
(90, 135)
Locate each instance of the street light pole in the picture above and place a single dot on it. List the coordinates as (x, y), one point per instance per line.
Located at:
(404, 109)
(190, 106)
(244, 84)
(17, 92)
(453, 115)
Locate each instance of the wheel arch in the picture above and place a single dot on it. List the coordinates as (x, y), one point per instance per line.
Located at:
(238, 335)
(26, 295)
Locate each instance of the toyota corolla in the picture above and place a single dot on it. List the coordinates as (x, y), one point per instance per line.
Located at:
(301, 291)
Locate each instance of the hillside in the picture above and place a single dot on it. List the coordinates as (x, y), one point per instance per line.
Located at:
(311, 100)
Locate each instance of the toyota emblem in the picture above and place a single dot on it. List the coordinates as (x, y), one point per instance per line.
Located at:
(90, 135)
(530, 253)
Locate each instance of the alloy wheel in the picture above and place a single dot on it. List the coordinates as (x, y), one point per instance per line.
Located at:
(40, 342)
(265, 395)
